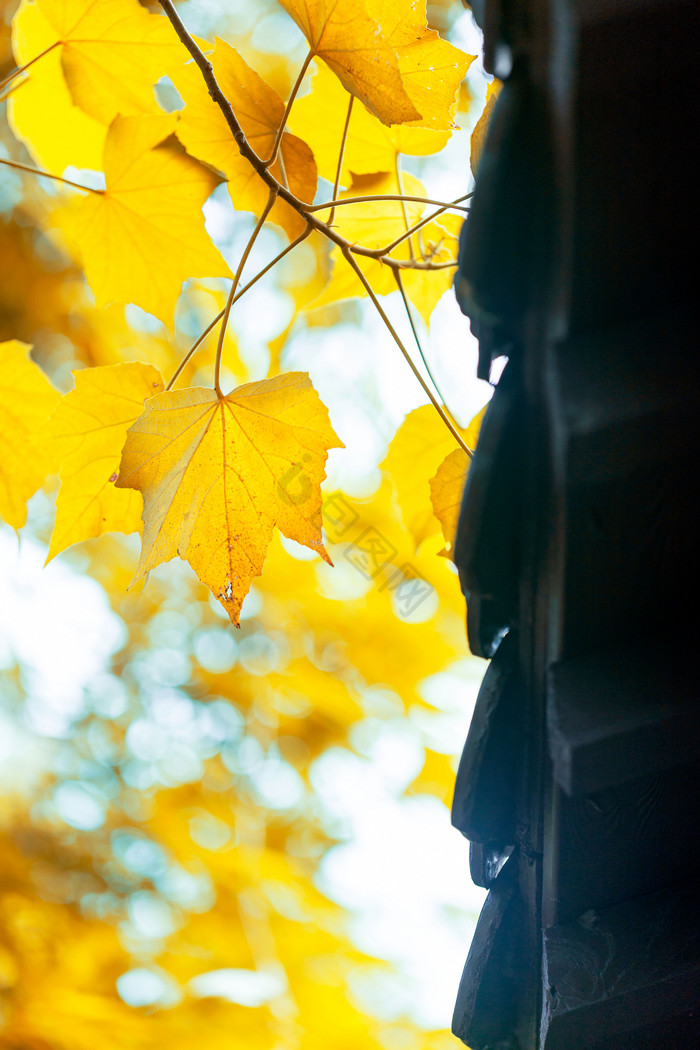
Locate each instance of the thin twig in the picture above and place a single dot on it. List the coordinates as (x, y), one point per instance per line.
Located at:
(283, 170)
(229, 302)
(48, 175)
(21, 69)
(15, 85)
(290, 102)
(305, 210)
(212, 324)
(409, 314)
(409, 233)
(443, 205)
(436, 404)
(341, 157)
(406, 264)
(404, 209)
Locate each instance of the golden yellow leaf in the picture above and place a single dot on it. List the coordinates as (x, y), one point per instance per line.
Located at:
(431, 69)
(346, 35)
(447, 486)
(419, 446)
(206, 135)
(446, 492)
(87, 432)
(318, 118)
(374, 224)
(145, 235)
(27, 398)
(41, 111)
(437, 242)
(111, 52)
(217, 475)
(482, 125)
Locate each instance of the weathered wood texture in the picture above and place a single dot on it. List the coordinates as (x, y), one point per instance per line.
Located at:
(579, 539)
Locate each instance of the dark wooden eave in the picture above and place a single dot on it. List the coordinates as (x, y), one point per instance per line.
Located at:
(578, 545)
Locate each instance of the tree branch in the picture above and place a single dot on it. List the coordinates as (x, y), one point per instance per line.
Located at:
(305, 210)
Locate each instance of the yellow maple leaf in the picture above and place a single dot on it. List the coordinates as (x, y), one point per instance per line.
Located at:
(418, 448)
(374, 224)
(204, 132)
(27, 398)
(447, 486)
(87, 431)
(41, 111)
(145, 235)
(350, 41)
(438, 243)
(431, 69)
(217, 475)
(111, 52)
(370, 147)
(446, 490)
(482, 125)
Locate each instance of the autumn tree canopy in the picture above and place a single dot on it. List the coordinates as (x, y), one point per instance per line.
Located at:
(171, 828)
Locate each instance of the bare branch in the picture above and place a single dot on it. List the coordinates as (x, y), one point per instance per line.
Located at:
(305, 210)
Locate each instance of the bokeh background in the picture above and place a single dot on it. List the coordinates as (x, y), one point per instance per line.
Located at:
(237, 838)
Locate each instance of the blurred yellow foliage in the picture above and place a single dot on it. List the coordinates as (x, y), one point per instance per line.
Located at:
(168, 783)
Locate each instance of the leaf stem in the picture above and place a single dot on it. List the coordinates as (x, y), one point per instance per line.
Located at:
(341, 157)
(433, 400)
(48, 175)
(406, 264)
(283, 171)
(231, 295)
(200, 339)
(280, 130)
(409, 314)
(21, 69)
(443, 205)
(404, 209)
(305, 210)
(14, 86)
(409, 233)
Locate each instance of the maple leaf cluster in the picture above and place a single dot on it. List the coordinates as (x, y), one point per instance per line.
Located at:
(163, 826)
(205, 470)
